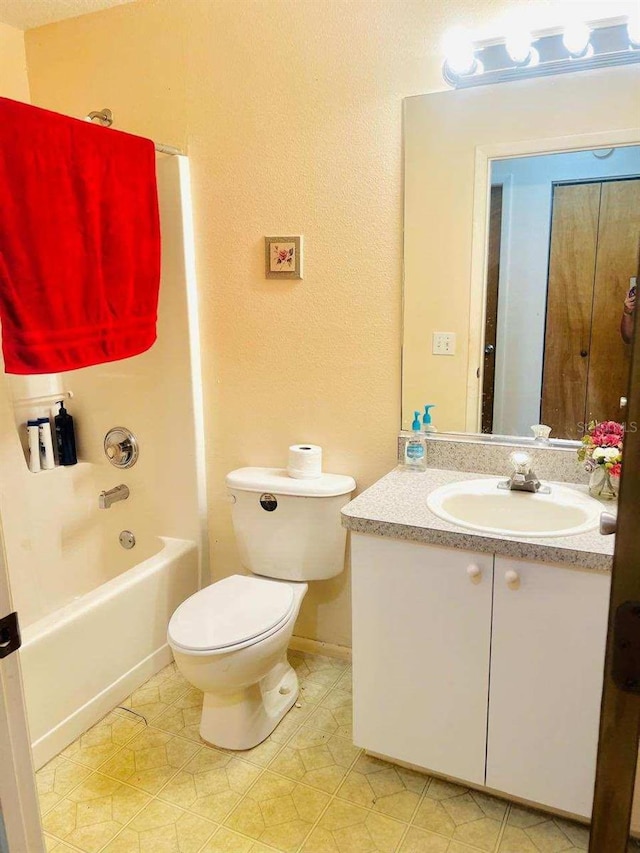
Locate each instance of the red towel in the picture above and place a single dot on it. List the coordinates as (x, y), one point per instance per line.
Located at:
(79, 242)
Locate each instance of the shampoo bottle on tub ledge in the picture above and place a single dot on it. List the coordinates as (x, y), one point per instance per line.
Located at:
(47, 459)
(65, 437)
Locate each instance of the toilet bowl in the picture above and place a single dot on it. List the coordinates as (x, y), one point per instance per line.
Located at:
(230, 639)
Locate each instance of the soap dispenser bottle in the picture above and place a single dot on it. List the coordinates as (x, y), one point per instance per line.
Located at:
(65, 437)
(427, 426)
(415, 449)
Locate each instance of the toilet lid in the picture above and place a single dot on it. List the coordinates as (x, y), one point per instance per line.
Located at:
(229, 612)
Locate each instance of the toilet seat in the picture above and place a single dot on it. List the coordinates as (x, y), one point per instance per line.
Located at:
(231, 614)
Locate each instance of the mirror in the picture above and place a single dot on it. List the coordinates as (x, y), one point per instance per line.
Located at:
(562, 257)
(522, 239)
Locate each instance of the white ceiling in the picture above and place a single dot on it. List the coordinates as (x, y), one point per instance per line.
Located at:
(25, 14)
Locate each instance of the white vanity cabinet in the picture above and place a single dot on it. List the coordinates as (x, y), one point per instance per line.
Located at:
(421, 639)
(484, 669)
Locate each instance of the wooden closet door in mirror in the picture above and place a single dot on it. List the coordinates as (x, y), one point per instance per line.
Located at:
(616, 264)
(572, 261)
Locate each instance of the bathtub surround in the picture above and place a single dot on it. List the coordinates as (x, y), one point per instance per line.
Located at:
(73, 547)
(63, 551)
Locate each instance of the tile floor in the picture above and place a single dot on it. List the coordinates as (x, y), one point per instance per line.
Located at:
(127, 786)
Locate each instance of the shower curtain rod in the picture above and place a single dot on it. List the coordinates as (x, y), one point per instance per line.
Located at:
(105, 117)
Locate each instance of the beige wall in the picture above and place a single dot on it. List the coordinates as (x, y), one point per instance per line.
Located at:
(291, 113)
(13, 64)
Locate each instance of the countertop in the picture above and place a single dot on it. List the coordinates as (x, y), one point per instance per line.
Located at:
(396, 506)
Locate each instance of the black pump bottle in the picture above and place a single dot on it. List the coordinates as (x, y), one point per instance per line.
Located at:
(65, 437)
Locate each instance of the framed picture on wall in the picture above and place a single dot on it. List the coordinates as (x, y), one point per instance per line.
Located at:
(283, 257)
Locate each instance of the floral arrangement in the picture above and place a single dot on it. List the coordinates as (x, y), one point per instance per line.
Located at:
(602, 446)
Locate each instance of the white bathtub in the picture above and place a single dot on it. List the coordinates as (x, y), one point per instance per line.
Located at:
(82, 660)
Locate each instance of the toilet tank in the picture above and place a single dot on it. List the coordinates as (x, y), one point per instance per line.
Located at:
(286, 528)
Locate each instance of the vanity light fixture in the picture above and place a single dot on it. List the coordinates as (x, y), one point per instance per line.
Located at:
(460, 53)
(519, 46)
(579, 46)
(576, 39)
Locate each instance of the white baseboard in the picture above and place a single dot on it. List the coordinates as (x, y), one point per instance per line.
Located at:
(316, 647)
(58, 738)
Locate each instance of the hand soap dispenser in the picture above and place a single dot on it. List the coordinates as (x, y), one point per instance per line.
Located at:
(427, 426)
(415, 450)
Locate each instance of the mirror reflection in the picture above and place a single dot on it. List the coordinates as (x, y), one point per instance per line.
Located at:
(562, 261)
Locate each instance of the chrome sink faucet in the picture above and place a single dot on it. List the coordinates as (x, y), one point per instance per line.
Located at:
(523, 477)
(118, 493)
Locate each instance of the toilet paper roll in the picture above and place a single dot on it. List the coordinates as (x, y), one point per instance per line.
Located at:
(305, 461)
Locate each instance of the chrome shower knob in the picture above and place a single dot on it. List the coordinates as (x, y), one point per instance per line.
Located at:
(121, 447)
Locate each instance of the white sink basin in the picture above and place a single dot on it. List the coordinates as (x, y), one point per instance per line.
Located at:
(481, 505)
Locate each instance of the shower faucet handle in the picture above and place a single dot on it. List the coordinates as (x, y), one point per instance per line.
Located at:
(117, 452)
(121, 447)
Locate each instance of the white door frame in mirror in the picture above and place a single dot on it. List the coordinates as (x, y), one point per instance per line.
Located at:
(484, 155)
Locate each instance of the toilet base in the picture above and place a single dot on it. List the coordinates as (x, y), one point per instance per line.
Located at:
(244, 718)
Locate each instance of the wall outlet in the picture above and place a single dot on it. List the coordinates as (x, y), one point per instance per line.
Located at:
(444, 343)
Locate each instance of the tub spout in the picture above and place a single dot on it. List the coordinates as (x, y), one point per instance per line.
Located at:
(118, 493)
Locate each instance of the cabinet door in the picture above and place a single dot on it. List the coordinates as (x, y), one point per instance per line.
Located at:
(547, 663)
(421, 637)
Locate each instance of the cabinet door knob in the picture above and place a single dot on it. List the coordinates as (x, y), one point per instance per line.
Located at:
(474, 571)
(512, 578)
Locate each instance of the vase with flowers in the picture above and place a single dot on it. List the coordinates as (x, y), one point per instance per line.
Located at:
(601, 455)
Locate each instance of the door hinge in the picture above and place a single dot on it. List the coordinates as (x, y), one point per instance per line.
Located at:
(10, 639)
(626, 647)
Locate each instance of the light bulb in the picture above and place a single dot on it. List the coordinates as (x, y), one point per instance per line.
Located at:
(458, 50)
(576, 38)
(518, 45)
(633, 28)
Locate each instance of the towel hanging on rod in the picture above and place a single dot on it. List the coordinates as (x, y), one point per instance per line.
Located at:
(79, 242)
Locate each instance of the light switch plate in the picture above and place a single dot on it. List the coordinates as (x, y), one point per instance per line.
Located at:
(444, 343)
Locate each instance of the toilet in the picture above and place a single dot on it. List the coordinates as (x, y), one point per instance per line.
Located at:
(230, 639)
